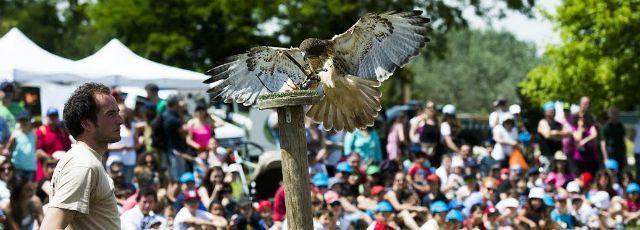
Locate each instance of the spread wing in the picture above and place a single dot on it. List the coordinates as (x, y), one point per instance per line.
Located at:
(244, 77)
(379, 43)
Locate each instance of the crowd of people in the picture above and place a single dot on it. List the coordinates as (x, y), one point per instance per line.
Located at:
(169, 170)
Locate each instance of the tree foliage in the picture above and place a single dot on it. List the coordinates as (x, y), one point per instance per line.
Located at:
(598, 56)
(477, 67)
(194, 34)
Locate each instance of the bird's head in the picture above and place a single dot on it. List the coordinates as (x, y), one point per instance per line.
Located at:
(313, 47)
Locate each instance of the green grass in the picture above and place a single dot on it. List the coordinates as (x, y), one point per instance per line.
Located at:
(295, 93)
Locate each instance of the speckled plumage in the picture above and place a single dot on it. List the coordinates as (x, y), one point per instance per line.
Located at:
(349, 68)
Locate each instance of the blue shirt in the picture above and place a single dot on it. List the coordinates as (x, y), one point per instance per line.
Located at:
(5, 132)
(367, 146)
(24, 153)
(565, 220)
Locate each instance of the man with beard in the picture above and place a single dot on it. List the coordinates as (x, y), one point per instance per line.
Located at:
(82, 195)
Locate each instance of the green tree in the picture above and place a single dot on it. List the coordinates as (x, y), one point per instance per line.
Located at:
(194, 34)
(598, 56)
(476, 68)
(36, 18)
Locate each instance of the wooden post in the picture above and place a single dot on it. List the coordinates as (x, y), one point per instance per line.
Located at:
(295, 165)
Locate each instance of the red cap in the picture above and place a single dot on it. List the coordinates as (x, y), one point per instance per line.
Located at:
(190, 195)
(586, 178)
(434, 178)
(490, 210)
(263, 204)
(376, 190)
(504, 171)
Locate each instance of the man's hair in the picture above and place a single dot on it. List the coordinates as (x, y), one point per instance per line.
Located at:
(152, 87)
(173, 100)
(82, 105)
(147, 191)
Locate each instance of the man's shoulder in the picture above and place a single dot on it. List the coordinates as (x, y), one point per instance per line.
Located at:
(81, 157)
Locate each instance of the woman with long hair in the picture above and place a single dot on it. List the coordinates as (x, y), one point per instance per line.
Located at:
(7, 176)
(212, 185)
(425, 129)
(560, 173)
(24, 208)
(604, 182)
(201, 136)
(582, 148)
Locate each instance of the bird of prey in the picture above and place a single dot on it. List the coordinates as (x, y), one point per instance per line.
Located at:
(346, 70)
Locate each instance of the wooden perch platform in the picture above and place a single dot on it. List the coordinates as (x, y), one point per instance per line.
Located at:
(293, 98)
(293, 144)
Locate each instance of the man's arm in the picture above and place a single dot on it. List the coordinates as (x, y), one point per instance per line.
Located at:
(57, 218)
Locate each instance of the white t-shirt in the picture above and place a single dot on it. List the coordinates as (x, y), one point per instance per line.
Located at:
(184, 214)
(132, 219)
(497, 117)
(414, 122)
(502, 150)
(636, 140)
(445, 129)
(441, 172)
(127, 138)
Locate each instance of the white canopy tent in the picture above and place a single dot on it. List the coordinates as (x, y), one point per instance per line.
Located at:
(18, 55)
(118, 65)
(23, 61)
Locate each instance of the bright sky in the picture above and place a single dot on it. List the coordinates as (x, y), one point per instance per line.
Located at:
(538, 30)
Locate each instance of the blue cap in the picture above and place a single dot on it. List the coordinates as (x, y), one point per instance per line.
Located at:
(548, 201)
(633, 187)
(52, 112)
(455, 204)
(384, 206)
(344, 167)
(320, 179)
(439, 206)
(611, 164)
(456, 215)
(187, 177)
(549, 105)
(24, 115)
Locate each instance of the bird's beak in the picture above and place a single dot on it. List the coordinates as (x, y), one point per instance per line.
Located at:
(304, 55)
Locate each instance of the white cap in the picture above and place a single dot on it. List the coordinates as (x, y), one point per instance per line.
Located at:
(536, 192)
(507, 203)
(600, 200)
(514, 109)
(457, 162)
(559, 155)
(573, 186)
(449, 109)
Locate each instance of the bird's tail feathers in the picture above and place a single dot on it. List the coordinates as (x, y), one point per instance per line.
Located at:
(352, 103)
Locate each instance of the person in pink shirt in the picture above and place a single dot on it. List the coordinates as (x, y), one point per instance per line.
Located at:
(396, 138)
(560, 173)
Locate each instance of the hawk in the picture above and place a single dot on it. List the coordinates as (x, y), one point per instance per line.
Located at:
(346, 70)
